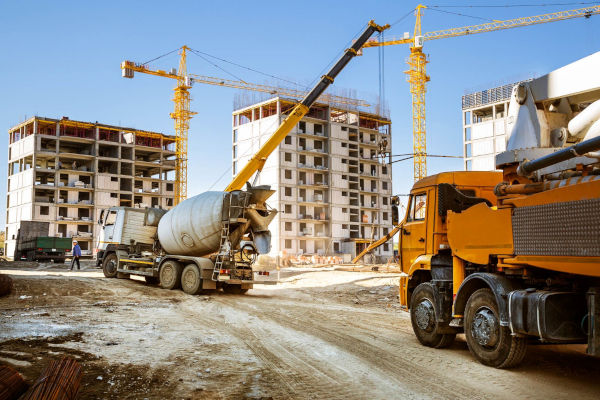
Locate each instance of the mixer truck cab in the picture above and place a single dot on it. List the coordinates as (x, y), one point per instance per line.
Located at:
(209, 241)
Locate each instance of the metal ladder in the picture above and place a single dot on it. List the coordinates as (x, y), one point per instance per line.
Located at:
(225, 251)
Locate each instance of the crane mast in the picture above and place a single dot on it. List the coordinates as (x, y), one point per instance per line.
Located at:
(256, 163)
(418, 79)
(181, 115)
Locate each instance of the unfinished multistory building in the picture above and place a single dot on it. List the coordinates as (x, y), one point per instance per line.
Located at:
(331, 175)
(65, 172)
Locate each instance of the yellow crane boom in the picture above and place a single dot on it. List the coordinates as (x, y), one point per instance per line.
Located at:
(182, 113)
(418, 78)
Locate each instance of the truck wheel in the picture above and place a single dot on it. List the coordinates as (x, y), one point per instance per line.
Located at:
(170, 275)
(109, 265)
(491, 343)
(423, 318)
(191, 280)
(151, 280)
(234, 289)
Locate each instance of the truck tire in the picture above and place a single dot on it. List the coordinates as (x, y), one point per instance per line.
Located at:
(423, 318)
(488, 341)
(170, 275)
(109, 265)
(191, 280)
(234, 289)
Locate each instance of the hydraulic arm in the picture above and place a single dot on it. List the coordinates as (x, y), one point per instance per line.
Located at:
(256, 163)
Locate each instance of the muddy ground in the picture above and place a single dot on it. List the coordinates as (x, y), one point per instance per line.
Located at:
(321, 333)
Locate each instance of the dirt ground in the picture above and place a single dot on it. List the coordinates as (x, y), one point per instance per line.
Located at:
(321, 333)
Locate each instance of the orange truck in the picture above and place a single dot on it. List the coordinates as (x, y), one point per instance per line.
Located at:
(512, 256)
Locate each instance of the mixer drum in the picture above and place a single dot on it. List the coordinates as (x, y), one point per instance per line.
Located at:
(193, 227)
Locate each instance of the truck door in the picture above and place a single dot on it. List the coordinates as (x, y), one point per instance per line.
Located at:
(413, 233)
(108, 229)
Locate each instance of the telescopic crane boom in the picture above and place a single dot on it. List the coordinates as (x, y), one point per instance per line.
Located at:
(256, 163)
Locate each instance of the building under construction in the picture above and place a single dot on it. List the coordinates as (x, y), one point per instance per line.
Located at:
(331, 175)
(64, 172)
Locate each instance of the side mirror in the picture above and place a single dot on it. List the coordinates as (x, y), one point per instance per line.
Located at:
(101, 217)
(395, 216)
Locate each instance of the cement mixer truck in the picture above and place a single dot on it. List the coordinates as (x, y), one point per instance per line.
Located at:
(209, 241)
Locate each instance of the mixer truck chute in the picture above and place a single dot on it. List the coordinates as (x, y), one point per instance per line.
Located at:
(211, 240)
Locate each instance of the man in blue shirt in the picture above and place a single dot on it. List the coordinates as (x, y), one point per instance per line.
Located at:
(76, 254)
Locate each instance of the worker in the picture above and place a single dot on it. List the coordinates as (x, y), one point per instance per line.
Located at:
(76, 255)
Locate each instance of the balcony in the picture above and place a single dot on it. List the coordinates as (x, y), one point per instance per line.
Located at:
(313, 218)
(302, 149)
(311, 134)
(315, 200)
(311, 183)
(312, 167)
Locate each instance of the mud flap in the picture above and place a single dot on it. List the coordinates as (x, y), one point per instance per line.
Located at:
(207, 282)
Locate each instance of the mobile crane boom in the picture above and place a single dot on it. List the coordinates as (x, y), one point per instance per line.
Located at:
(256, 163)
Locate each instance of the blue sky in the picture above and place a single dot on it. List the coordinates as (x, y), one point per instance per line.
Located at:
(61, 58)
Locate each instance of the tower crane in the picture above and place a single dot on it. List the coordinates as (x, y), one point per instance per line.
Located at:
(417, 60)
(182, 113)
(418, 78)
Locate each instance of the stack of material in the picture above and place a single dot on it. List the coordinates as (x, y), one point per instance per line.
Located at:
(59, 381)
(12, 385)
(6, 286)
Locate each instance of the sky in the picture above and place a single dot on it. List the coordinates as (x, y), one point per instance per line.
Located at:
(61, 58)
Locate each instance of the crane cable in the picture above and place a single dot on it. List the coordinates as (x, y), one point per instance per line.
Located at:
(164, 55)
(381, 75)
(216, 66)
(462, 15)
(198, 52)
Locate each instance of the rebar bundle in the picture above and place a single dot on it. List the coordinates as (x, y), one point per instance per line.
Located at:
(6, 285)
(12, 384)
(60, 380)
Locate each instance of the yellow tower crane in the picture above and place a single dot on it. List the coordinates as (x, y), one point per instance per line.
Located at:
(182, 113)
(418, 78)
(417, 60)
